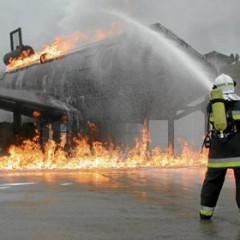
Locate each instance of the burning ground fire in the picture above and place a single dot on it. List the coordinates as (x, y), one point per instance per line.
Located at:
(63, 45)
(30, 156)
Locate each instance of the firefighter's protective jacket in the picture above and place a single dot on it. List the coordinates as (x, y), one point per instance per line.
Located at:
(225, 152)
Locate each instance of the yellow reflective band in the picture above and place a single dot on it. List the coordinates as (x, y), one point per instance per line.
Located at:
(206, 212)
(223, 164)
(236, 117)
(211, 119)
(224, 84)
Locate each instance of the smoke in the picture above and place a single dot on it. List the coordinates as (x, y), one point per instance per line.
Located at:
(214, 22)
(205, 25)
(89, 14)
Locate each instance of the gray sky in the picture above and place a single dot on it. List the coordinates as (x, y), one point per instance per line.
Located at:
(204, 24)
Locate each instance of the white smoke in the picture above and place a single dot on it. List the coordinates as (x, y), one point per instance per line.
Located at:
(199, 23)
(205, 25)
(91, 14)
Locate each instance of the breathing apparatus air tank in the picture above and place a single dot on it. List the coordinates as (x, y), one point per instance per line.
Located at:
(218, 110)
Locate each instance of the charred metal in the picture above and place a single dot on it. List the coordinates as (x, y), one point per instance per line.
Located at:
(113, 83)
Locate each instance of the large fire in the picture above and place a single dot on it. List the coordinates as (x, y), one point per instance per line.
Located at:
(62, 46)
(30, 155)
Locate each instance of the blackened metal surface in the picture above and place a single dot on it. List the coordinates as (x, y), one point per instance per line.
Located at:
(123, 79)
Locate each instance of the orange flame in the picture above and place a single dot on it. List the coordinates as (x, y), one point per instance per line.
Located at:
(63, 45)
(36, 114)
(30, 155)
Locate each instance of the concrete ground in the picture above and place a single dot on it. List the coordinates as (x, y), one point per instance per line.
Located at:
(119, 204)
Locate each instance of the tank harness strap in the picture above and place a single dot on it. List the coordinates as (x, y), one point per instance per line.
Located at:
(217, 100)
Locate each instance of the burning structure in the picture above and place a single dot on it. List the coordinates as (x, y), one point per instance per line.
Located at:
(115, 82)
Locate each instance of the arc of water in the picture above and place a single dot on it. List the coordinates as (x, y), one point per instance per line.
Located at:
(156, 37)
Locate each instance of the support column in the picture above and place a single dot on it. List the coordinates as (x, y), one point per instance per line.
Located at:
(17, 122)
(146, 135)
(171, 136)
(44, 132)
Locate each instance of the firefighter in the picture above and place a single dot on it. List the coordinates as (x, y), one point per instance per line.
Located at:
(223, 141)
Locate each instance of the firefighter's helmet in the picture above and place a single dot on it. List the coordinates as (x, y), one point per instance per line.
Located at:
(225, 83)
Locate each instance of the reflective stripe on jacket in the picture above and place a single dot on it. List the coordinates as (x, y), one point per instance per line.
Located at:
(236, 115)
(224, 162)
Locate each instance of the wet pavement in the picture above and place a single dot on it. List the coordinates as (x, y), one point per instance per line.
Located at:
(118, 204)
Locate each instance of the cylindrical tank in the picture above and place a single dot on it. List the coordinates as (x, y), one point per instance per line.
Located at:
(218, 109)
(122, 79)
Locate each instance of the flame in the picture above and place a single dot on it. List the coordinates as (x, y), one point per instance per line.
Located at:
(30, 156)
(36, 114)
(63, 45)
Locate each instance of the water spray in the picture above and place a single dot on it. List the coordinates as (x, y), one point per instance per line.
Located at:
(157, 38)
